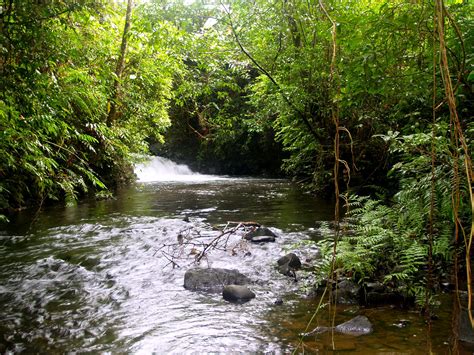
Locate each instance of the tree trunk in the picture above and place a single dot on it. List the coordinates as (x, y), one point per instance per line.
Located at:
(113, 113)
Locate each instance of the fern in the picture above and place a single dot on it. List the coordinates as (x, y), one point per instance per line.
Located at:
(390, 241)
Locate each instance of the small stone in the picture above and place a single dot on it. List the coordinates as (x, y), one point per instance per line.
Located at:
(278, 301)
(237, 294)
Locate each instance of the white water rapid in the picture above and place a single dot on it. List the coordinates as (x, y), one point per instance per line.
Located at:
(163, 169)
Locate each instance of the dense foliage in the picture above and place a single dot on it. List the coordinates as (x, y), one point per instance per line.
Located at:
(57, 66)
(247, 87)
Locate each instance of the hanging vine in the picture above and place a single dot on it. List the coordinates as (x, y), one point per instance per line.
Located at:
(335, 117)
(459, 143)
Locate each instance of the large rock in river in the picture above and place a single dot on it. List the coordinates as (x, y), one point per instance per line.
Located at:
(237, 294)
(213, 279)
(260, 235)
(359, 325)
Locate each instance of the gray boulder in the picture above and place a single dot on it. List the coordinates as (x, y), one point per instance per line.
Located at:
(237, 293)
(213, 279)
(359, 325)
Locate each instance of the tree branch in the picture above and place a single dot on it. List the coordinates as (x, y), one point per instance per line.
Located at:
(300, 113)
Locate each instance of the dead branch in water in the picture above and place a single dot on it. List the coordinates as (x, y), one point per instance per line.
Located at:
(190, 242)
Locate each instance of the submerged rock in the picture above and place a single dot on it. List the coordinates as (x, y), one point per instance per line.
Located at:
(359, 325)
(213, 279)
(237, 293)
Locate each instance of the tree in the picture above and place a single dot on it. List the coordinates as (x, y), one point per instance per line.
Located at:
(112, 116)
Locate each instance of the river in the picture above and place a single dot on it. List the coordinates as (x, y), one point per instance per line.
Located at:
(96, 277)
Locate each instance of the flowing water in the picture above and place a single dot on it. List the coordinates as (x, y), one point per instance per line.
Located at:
(107, 276)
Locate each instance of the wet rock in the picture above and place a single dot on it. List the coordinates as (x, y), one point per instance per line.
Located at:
(213, 279)
(347, 292)
(260, 232)
(288, 264)
(237, 293)
(359, 325)
(291, 260)
(263, 239)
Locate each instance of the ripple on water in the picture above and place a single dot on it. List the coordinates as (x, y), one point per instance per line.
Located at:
(153, 310)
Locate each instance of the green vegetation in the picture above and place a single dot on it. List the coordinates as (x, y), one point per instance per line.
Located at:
(384, 88)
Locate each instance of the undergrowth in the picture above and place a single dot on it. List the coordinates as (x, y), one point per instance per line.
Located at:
(387, 238)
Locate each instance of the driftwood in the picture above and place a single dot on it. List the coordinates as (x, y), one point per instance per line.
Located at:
(190, 242)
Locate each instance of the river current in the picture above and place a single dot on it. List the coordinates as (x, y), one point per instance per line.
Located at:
(107, 276)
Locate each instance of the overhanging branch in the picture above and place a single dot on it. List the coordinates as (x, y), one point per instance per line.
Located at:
(300, 113)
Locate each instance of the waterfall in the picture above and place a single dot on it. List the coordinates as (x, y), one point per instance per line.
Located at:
(162, 169)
